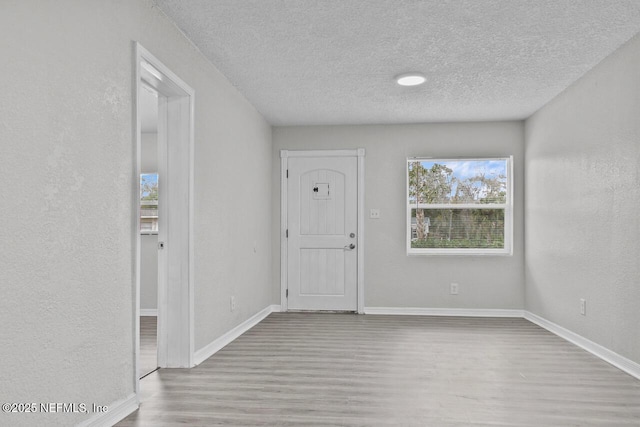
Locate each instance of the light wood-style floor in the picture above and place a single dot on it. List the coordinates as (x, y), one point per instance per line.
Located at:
(148, 344)
(296, 369)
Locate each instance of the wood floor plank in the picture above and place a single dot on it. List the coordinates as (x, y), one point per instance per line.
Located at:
(315, 369)
(148, 344)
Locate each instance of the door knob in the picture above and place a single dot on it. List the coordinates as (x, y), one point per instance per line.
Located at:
(350, 247)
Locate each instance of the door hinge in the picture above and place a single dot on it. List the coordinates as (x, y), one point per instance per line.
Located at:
(287, 173)
(287, 294)
(286, 233)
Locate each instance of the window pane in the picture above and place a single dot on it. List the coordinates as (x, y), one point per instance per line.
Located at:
(457, 228)
(149, 202)
(458, 181)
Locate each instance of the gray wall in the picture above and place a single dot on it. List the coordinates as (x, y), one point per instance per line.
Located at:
(68, 191)
(149, 271)
(393, 279)
(582, 201)
(149, 155)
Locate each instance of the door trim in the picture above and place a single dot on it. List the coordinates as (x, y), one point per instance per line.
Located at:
(284, 156)
(175, 301)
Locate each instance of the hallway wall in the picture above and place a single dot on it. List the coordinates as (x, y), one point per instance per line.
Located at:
(67, 200)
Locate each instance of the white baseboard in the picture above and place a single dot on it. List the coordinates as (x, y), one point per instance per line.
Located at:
(463, 312)
(118, 410)
(148, 312)
(216, 345)
(630, 367)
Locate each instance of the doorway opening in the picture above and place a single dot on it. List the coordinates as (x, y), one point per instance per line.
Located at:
(149, 219)
(174, 213)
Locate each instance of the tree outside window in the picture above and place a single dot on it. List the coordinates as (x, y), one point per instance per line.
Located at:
(149, 202)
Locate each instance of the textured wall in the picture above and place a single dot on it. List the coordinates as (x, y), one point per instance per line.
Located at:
(67, 190)
(233, 205)
(149, 155)
(393, 279)
(583, 194)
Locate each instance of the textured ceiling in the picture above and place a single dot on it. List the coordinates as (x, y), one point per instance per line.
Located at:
(333, 61)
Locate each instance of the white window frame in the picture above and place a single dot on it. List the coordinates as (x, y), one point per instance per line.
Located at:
(508, 211)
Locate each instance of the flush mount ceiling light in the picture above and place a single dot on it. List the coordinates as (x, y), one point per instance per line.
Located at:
(410, 79)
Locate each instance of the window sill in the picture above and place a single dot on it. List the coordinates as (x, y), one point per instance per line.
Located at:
(460, 252)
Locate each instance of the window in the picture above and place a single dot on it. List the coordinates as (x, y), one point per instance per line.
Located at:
(149, 203)
(459, 206)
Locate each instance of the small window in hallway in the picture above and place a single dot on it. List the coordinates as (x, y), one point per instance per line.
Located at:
(149, 203)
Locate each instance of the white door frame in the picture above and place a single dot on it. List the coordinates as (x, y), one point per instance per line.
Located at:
(284, 156)
(175, 288)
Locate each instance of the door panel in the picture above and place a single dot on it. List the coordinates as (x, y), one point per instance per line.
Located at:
(322, 223)
(325, 269)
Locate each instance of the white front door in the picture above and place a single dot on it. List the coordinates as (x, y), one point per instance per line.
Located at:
(322, 212)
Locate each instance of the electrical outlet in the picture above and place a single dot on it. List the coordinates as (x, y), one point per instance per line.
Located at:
(233, 303)
(374, 214)
(583, 306)
(454, 289)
